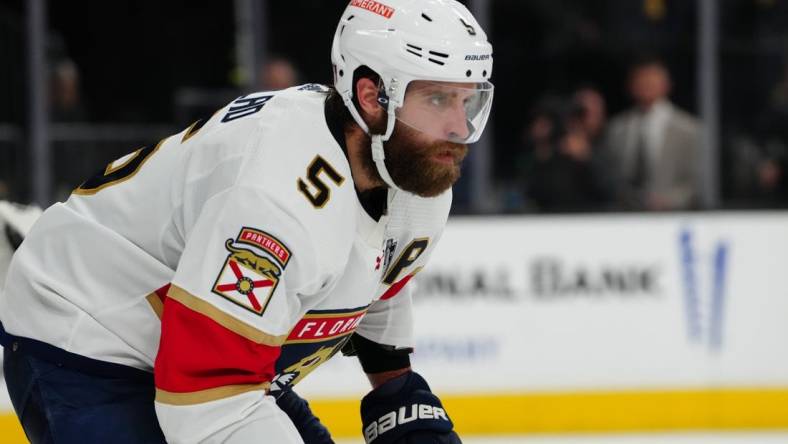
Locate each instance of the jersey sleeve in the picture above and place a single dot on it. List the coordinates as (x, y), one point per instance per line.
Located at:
(238, 288)
(390, 321)
(418, 224)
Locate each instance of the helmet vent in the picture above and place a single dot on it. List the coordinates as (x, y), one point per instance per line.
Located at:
(440, 55)
(426, 17)
(413, 49)
(351, 17)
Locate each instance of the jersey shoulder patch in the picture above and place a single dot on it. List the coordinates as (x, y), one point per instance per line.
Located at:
(252, 269)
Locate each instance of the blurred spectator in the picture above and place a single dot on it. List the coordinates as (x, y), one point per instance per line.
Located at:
(772, 180)
(560, 165)
(590, 114)
(278, 73)
(655, 145)
(760, 158)
(757, 171)
(66, 95)
(590, 118)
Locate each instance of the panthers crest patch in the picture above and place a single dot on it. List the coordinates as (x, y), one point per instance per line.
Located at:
(249, 277)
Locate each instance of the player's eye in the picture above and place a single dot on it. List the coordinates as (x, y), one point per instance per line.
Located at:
(471, 102)
(439, 99)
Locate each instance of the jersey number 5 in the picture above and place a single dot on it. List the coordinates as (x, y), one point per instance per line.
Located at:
(317, 192)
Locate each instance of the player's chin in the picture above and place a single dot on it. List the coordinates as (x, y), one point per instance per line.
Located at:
(427, 172)
(436, 180)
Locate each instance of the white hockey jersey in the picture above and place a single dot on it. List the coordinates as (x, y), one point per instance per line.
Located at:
(230, 259)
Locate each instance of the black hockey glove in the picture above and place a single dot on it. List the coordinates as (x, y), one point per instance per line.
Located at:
(310, 428)
(405, 411)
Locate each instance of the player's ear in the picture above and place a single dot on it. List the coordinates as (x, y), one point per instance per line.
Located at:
(367, 95)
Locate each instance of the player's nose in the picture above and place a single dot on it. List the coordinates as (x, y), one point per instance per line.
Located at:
(457, 124)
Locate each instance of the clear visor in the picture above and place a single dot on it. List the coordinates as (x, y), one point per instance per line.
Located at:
(451, 111)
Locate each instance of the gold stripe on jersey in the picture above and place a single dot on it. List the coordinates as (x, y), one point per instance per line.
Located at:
(111, 168)
(212, 394)
(225, 320)
(155, 304)
(195, 127)
(312, 315)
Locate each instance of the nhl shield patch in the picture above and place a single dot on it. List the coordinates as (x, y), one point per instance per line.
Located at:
(248, 278)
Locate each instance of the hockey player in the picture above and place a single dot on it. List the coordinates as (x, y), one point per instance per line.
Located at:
(225, 263)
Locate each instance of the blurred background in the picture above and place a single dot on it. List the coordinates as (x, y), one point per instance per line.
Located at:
(85, 82)
(623, 266)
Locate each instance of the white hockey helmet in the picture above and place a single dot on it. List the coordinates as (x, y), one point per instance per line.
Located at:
(435, 42)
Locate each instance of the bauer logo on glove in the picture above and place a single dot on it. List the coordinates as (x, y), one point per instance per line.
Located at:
(404, 411)
(401, 416)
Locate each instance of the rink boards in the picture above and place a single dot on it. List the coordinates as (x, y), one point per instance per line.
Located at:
(595, 323)
(599, 323)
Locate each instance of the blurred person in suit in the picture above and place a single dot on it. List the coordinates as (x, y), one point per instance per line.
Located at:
(654, 145)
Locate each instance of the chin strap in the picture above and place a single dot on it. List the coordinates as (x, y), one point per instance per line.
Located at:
(378, 153)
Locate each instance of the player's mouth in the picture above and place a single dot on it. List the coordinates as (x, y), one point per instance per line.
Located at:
(449, 156)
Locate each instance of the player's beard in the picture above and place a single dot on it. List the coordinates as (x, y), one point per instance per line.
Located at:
(412, 165)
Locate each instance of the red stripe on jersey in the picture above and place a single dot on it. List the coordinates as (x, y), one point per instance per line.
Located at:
(396, 287)
(321, 327)
(196, 353)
